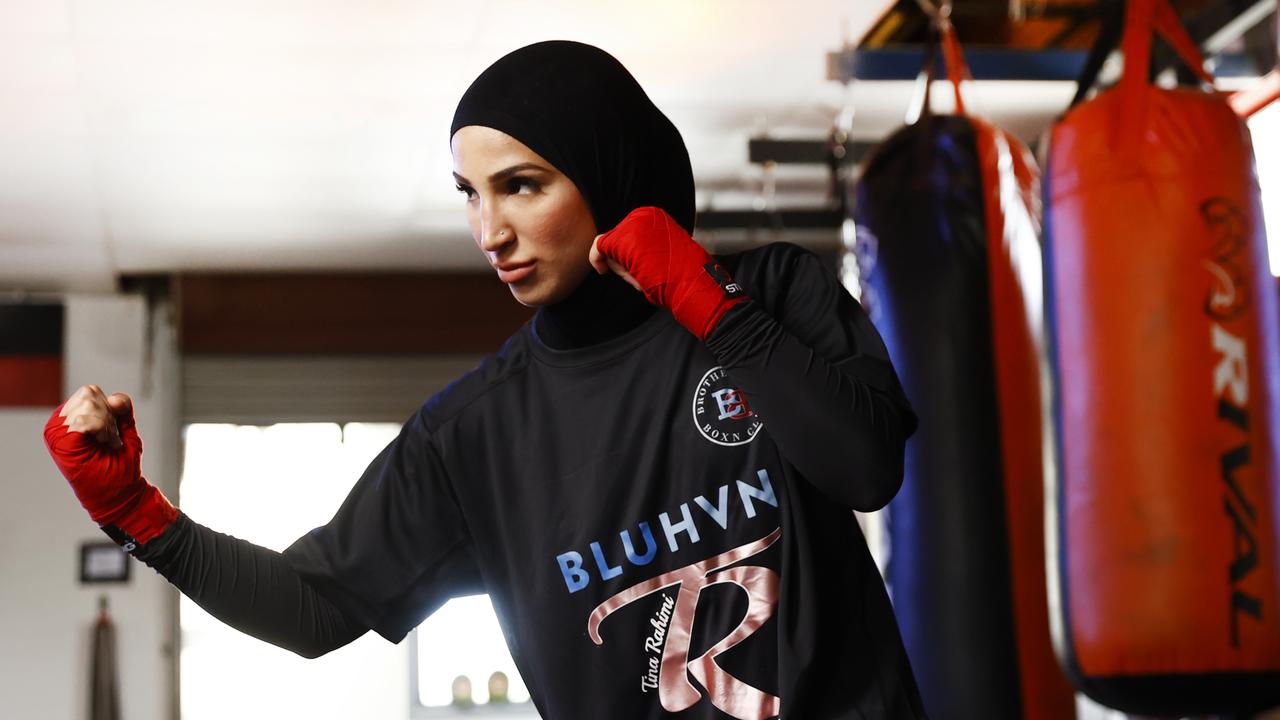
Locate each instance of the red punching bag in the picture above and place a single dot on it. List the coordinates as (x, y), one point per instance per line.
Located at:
(1165, 347)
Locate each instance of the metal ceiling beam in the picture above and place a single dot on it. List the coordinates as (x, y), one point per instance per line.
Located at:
(807, 152)
(1214, 28)
(1226, 22)
(796, 219)
(906, 19)
(905, 62)
(1001, 10)
(992, 64)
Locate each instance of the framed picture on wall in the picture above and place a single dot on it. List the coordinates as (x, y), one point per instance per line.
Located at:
(103, 562)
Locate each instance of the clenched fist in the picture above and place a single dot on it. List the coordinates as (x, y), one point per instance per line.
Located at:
(656, 256)
(94, 442)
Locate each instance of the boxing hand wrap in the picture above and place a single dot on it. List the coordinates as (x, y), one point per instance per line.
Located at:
(108, 481)
(672, 270)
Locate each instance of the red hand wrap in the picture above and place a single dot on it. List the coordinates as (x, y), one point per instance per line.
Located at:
(108, 481)
(673, 271)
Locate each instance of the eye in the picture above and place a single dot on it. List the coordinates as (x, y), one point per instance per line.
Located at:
(522, 185)
(465, 190)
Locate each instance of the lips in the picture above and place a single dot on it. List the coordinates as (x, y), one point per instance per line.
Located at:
(514, 272)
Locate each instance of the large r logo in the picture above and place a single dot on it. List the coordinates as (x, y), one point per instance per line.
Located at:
(725, 691)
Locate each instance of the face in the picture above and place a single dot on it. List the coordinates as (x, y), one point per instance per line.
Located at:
(528, 218)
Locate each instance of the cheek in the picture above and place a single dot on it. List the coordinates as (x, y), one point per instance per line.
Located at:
(567, 227)
(555, 234)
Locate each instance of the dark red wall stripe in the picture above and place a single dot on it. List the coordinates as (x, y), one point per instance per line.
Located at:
(30, 380)
(30, 355)
(337, 314)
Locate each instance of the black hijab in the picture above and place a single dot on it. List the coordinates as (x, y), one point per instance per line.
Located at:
(579, 108)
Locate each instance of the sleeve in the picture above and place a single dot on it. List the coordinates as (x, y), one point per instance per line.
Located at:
(814, 368)
(398, 547)
(248, 587)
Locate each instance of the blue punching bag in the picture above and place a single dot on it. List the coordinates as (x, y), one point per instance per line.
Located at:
(950, 260)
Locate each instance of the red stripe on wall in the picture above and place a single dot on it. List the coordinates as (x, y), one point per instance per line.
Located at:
(30, 380)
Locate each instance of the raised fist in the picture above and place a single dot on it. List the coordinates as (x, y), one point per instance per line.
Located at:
(94, 441)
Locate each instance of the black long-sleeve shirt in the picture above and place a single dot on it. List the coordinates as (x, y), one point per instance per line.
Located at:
(567, 482)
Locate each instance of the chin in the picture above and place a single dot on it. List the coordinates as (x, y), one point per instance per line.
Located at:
(545, 290)
(525, 300)
(535, 296)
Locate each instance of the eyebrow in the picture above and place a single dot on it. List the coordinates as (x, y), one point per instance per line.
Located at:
(505, 173)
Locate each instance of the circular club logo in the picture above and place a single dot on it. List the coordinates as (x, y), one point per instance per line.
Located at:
(721, 413)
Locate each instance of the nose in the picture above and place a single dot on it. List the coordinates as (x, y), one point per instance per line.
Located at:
(494, 232)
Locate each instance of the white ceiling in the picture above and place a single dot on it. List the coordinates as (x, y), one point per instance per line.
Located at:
(140, 136)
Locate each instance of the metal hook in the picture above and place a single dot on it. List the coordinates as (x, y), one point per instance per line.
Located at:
(940, 14)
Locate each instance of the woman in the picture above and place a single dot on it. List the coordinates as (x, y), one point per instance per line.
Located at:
(654, 487)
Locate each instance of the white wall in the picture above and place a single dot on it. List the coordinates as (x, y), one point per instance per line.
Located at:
(46, 616)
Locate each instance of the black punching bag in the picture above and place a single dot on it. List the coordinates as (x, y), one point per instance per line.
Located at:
(950, 268)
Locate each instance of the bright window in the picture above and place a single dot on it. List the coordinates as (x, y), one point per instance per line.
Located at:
(270, 485)
(1265, 129)
(463, 639)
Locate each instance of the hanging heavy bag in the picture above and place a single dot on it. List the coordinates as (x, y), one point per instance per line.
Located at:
(950, 259)
(104, 670)
(1165, 345)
